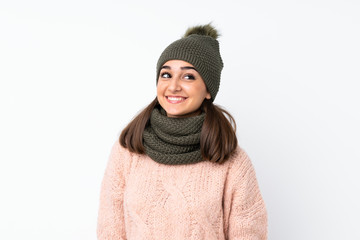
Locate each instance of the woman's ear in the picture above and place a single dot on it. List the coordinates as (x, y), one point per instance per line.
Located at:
(208, 96)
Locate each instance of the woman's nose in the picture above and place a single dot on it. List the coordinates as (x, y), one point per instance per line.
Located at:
(174, 84)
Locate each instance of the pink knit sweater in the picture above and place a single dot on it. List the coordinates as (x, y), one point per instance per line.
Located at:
(142, 199)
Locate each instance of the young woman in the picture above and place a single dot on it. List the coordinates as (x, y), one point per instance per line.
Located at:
(177, 171)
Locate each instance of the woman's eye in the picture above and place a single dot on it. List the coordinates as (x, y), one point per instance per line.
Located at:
(165, 75)
(189, 76)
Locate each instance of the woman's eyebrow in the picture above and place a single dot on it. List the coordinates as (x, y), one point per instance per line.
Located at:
(182, 68)
(188, 67)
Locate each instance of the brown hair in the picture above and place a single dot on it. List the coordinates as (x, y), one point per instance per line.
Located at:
(218, 134)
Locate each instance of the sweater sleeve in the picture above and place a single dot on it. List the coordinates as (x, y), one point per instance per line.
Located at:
(110, 224)
(244, 206)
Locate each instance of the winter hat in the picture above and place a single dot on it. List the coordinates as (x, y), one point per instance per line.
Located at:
(200, 48)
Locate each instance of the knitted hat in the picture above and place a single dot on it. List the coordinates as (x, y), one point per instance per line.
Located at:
(200, 48)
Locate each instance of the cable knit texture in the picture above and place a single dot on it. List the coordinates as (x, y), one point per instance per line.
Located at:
(143, 199)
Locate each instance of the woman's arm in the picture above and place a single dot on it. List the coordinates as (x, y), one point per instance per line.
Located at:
(111, 217)
(243, 204)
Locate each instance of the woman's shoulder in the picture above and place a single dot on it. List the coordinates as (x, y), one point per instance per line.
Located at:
(118, 152)
(239, 160)
(238, 155)
(121, 156)
(118, 149)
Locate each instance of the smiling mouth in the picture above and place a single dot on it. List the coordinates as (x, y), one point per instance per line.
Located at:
(175, 99)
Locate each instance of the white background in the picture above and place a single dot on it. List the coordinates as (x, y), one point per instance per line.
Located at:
(73, 73)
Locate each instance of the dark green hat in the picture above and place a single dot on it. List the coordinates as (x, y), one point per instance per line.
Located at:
(200, 48)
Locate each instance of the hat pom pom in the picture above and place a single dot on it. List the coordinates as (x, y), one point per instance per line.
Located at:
(206, 30)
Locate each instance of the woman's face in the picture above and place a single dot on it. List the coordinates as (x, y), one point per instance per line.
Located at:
(180, 89)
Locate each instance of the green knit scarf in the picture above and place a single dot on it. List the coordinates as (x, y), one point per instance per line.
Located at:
(173, 141)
